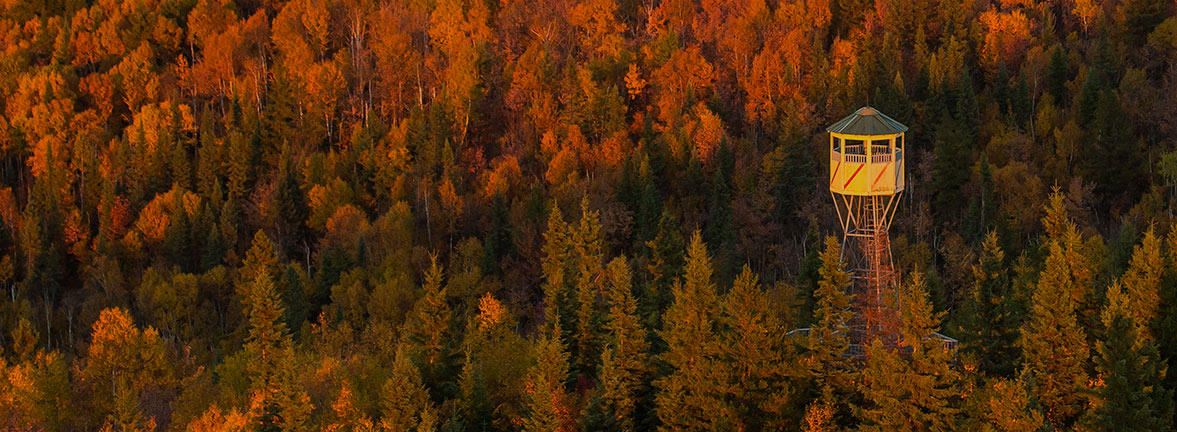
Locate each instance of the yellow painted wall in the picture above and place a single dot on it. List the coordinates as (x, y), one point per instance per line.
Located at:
(859, 174)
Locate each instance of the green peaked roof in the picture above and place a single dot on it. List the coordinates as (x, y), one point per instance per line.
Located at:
(867, 121)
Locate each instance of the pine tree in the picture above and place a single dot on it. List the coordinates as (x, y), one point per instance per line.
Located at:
(587, 249)
(427, 331)
(991, 323)
(1162, 327)
(404, 401)
(1053, 344)
(721, 231)
(1001, 92)
(1141, 283)
(690, 397)
(1007, 405)
(828, 337)
(624, 362)
(1057, 75)
(499, 242)
(553, 265)
(276, 399)
(920, 391)
(952, 149)
(1140, 18)
(754, 352)
(548, 405)
(1132, 397)
(290, 205)
(665, 267)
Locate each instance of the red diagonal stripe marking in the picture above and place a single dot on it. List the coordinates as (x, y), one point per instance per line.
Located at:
(835, 175)
(852, 176)
(872, 185)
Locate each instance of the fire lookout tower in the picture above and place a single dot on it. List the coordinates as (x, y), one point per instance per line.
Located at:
(866, 183)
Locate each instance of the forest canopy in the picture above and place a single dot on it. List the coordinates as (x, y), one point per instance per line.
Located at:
(567, 215)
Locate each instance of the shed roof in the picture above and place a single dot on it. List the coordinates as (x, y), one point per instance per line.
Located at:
(867, 121)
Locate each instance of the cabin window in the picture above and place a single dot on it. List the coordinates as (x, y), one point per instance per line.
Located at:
(837, 143)
(899, 142)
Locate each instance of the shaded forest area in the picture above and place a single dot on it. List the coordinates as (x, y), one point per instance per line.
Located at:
(562, 215)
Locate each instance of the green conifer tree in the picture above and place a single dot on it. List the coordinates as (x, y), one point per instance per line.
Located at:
(690, 397)
(1057, 75)
(427, 330)
(916, 391)
(952, 148)
(277, 401)
(553, 264)
(665, 267)
(1132, 396)
(1141, 283)
(587, 244)
(625, 360)
(990, 330)
(548, 405)
(828, 337)
(404, 401)
(754, 353)
(1053, 344)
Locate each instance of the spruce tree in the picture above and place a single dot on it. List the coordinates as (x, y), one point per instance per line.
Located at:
(753, 346)
(916, 391)
(290, 206)
(690, 397)
(721, 230)
(793, 179)
(1001, 91)
(475, 410)
(587, 243)
(553, 265)
(547, 405)
(268, 337)
(1115, 161)
(665, 267)
(625, 360)
(404, 401)
(499, 241)
(427, 330)
(1021, 104)
(1053, 344)
(1006, 405)
(277, 400)
(990, 329)
(967, 110)
(1140, 18)
(1141, 283)
(648, 205)
(1164, 327)
(260, 258)
(952, 148)
(1057, 75)
(828, 337)
(1132, 396)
